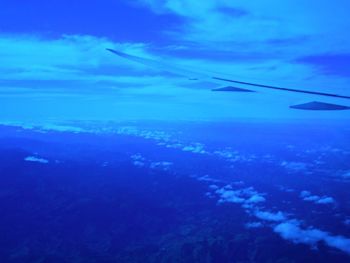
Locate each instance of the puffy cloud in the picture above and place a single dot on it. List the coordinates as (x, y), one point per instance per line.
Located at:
(245, 196)
(229, 196)
(270, 216)
(292, 231)
(307, 196)
(325, 200)
(138, 160)
(288, 229)
(36, 159)
(340, 242)
(161, 165)
(139, 163)
(195, 148)
(234, 156)
(207, 178)
(256, 199)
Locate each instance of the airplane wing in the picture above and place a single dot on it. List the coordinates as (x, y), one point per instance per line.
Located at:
(248, 86)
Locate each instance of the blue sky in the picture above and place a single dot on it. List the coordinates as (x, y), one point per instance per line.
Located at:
(54, 64)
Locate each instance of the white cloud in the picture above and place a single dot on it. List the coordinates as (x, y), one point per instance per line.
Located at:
(195, 148)
(67, 58)
(234, 156)
(141, 161)
(138, 163)
(313, 198)
(36, 159)
(340, 242)
(292, 231)
(270, 216)
(247, 195)
(229, 196)
(79, 66)
(161, 165)
(45, 127)
(326, 200)
(164, 139)
(288, 229)
(265, 44)
(253, 21)
(61, 128)
(138, 160)
(256, 199)
(159, 136)
(307, 196)
(206, 178)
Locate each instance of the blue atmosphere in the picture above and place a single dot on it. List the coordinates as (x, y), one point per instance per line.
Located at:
(174, 131)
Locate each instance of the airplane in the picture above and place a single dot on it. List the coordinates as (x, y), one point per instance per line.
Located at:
(251, 86)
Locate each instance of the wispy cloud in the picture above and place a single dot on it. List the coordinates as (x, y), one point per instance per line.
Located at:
(274, 39)
(74, 57)
(329, 64)
(264, 22)
(249, 41)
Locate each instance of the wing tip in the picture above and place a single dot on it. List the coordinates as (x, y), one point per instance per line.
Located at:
(114, 51)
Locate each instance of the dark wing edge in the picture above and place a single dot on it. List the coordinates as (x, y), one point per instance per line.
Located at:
(317, 105)
(313, 105)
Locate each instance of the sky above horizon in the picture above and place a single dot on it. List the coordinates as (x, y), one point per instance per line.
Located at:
(54, 64)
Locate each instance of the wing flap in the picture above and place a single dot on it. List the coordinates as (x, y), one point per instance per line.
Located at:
(233, 89)
(317, 105)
